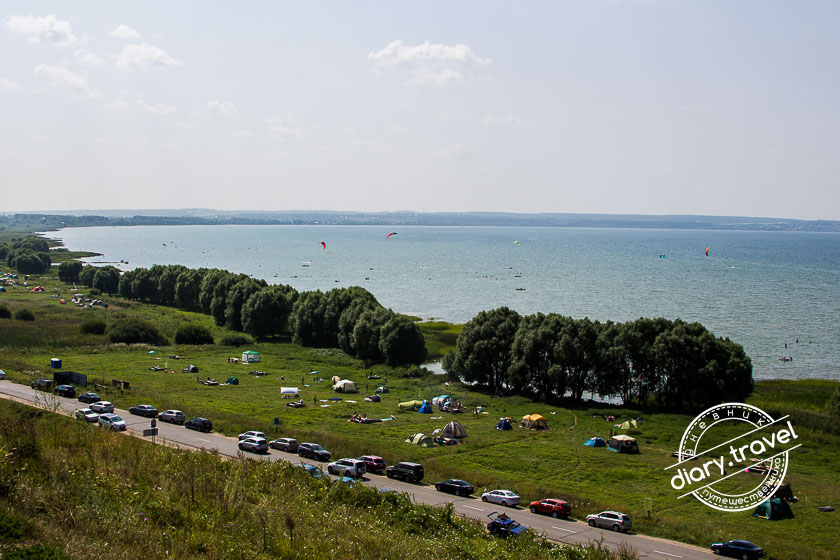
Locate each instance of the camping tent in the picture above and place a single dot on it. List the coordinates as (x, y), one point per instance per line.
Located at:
(289, 391)
(773, 510)
(504, 424)
(784, 492)
(345, 386)
(534, 422)
(250, 356)
(410, 405)
(422, 440)
(595, 442)
(232, 381)
(623, 444)
(335, 379)
(627, 424)
(454, 430)
(425, 408)
(441, 400)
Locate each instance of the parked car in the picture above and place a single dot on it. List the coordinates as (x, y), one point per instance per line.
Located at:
(347, 467)
(374, 464)
(455, 486)
(614, 520)
(501, 497)
(200, 424)
(42, 384)
(112, 421)
(146, 410)
(313, 470)
(89, 398)
(503, 526)
(172, 416)
(738, 549)
(254, 445)
(408, 472)
(313, 451)
(555, 508)
(251, 434)
(102, 406)
(2, 374)
(65, 391)
(287, 444)
(86, 415)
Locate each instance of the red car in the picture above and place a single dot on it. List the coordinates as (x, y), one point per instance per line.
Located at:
(374, 463)
(556, 508)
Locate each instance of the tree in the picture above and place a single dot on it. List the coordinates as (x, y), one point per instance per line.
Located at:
(366, 334)
(86, 275)
(350, 317)
(143, 285)
(266, 312)
(188, 289)
(167, 282)
(401, 342)
(26, 261)
(208, 288)
(221, 292)
(236, 299)
(69, 271)
(307, 319)
(534, 363)
(576, 345)
(833, 404)
(107, 279)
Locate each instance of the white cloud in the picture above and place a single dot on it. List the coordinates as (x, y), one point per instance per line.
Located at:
(9, 85)
(43, 29)
(183, 124)
(41, 139)
(159, 110)
(88, 58)
(117, 105)
(457, 151)
(505, 120)
(428, 63)
(142, 56)
(286, 127)
(61, 78)
(124, 32)
(222, 108)
(241, 133)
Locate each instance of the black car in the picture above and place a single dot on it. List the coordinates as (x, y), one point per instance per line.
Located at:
(146, 410)
(89, 398)
(455, 486)
(42, 384)
(405, 471)
(738, 549)
(200, 424)
(313, 451)
(65, 391)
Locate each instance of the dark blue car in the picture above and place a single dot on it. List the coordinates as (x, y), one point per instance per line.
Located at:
(738, 549)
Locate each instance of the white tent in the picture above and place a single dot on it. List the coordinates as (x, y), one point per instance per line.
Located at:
(454, 430)
(345, 386)
(250, 356)
(289, 390)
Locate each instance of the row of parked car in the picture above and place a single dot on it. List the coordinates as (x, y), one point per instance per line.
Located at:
(99, 409)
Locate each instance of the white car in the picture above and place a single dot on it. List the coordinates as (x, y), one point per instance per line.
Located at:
(347, 467)
(102, 406)
(86, 415)
(614, 520)
(501, 497)
(254, 445)
(112, 421)
(247, 435)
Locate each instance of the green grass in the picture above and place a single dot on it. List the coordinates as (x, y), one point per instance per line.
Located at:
(440, 337)
(537, 465)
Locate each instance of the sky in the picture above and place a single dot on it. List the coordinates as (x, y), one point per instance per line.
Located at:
(592, 106)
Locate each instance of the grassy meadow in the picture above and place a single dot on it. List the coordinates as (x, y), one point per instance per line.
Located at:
(553, 463)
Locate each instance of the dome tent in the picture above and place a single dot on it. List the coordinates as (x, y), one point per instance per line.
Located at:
(421, 439)
(504, 424)
(345, 386)
(595, 442)
(454, 430)
(534, 422)
(425, 408)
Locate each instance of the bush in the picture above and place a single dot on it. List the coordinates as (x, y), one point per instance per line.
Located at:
(192, 333)
(11, 527)
(93, 326)
(833, 404)
(36, 552)
(236, 340)
(24, 315)
(5, 313)
(132, 331)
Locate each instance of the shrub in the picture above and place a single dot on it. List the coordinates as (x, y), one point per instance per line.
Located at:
(132, 331)
(24, 315)
(93, 326)
(192, 333)
(36, 552)
(833, 404)
(5, 313)
(236, 340)
(11, 527)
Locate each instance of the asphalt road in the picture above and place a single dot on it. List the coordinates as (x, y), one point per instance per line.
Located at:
(556, 529)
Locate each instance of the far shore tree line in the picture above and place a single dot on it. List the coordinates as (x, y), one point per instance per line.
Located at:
(653, 363)
(347, 318)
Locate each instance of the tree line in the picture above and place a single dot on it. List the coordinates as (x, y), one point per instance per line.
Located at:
(347, 318)
(28, 255)
(654, 363)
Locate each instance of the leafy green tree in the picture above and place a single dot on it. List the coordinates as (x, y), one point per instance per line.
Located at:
(307, 319)
(26, 261)
(221, 292)
(236, 299)
(401, 342)
(366, 334)
(833, 404)
(208, 288)
(143, 285)
(576, 347)
(188, 289)
(86, 275)
(69, 271)
(167, 282)
(534, 361)
(350, 317)
(266, 312)
(107, 279)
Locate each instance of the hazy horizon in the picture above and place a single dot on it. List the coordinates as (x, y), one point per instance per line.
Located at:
(616, 107)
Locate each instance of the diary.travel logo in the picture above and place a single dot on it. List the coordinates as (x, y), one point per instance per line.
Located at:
(733, 457)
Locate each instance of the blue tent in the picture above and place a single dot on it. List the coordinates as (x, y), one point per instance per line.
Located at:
(425, 409)
(595, 442)
(504, 424)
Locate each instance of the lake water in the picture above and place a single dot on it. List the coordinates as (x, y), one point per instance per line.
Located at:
(764, 290)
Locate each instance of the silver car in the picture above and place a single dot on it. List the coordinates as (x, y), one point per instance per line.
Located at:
(254, 445)
(251, 434)
(501, 497)
(614, 520)
(102, 406)
(112, 421)
(86, 415)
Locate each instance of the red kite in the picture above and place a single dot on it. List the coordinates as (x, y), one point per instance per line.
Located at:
(390, 234)
(323, 245)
